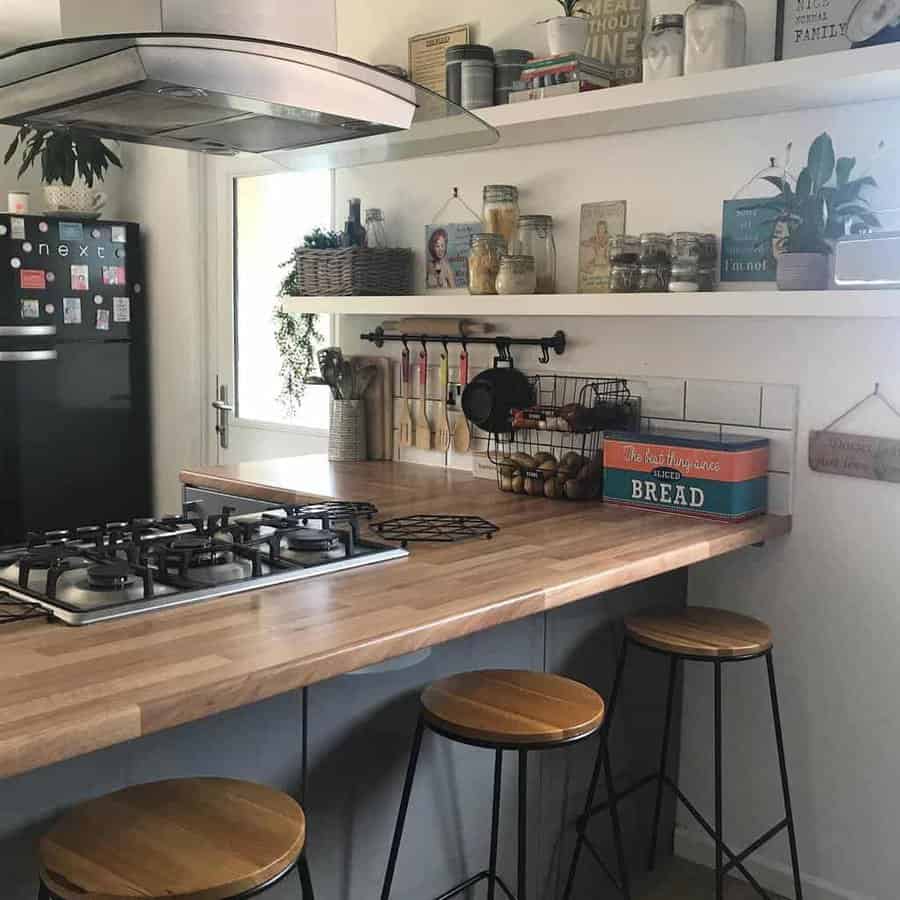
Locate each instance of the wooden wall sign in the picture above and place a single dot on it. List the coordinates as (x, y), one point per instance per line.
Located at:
(856, 455)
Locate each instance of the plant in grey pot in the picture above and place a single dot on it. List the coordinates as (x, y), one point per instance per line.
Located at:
(567, 33)
(824, 204)
(71, 163)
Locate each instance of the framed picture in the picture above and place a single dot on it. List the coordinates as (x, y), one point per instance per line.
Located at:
(598, 222)
(447, 255)
(751, 242)
(428, 56)
(808, 29)
(616, 36)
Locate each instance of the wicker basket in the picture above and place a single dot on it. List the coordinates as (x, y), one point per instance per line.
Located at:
(353, 272)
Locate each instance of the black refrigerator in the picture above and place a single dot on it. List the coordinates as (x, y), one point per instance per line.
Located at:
(74, 393)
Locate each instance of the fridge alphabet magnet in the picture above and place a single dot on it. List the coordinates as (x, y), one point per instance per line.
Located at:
(30, 309)
(114, 276)
(71, 231)
(122, 310)
(33, 279)
(81, 278)
(71, 310)
(118, 234)
(102, 320)
(17, 228)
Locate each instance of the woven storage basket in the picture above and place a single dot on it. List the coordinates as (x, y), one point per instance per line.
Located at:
(353, 272)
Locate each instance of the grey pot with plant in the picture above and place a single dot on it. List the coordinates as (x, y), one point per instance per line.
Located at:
(567, 33)
(72, 162)
(825, 203)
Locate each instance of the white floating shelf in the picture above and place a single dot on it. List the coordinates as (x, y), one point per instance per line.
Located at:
(722, 304)
(835, 79)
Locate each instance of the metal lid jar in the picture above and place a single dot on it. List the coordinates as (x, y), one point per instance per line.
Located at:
(536, 239)
(684, 276)
(624, 248)
(508, 68)
(686, 245)
(624, 277)
(517, 275)
(500, 213)
(656, 248)
(664, 48)
(715, 36)
(470, 75)
(484, 262)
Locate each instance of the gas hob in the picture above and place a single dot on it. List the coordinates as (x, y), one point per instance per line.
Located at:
(124, 568)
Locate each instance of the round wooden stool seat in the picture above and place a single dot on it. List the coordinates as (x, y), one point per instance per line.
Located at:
(512, 707)
(701, 631)
(193, 839)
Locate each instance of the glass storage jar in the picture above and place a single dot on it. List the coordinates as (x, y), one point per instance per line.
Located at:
(715, 36)
(708, 266)
(624, 277)
(484, 262)
(470, 75)
(517, 275)
(684, 276)
(664, 48)
(376, 235)
(686, 245)
(654, 278)
(500, 213)
(624, 248)
(536, 239)
(656, 249)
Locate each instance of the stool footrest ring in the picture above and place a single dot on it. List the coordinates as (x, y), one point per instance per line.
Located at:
(471, 882)
(607, 871)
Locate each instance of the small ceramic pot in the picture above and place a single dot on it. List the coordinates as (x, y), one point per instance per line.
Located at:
(567, 34)
(803, 272)
(76, 197)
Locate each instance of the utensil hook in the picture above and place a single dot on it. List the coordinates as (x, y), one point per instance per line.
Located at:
(545, 355)
(405, 343)
(424, 346)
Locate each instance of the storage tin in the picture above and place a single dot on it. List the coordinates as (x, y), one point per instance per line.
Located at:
(688, 473)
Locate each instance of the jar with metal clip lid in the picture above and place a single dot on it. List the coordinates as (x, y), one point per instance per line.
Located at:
(536, 240)
(484, 262)
(500, 213)
(517, 275)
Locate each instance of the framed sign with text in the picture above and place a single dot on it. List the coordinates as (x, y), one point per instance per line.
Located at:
(428, 56)
(810, 27)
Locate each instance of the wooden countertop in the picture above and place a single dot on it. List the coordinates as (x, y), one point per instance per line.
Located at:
(68, 691)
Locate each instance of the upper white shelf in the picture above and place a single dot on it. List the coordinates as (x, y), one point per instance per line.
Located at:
(722, 304)
(835, 79)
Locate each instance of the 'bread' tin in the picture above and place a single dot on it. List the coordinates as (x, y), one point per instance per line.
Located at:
(690, 473)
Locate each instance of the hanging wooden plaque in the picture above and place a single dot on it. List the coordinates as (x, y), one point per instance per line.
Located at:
(854, 455)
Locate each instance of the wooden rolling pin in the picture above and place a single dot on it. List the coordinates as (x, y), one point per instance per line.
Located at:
(464, 327)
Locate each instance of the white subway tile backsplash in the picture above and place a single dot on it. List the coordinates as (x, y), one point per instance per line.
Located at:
(782, 446)
(781, 488)
(662, 426)
(724, 402)
(779, 406)
(661, 398)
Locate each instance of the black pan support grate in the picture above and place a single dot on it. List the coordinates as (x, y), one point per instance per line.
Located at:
(333, 511)
(14, 610)
(440, 529)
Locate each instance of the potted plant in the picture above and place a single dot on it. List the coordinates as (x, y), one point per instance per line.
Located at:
(567, 33)
(823, 204)
(296, 334)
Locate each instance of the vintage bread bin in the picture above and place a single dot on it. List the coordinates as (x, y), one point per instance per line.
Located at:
(690, 473)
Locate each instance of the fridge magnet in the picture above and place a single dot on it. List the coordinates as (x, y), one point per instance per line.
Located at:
(30, 309)
(17, 228)
(102, 320)
(598, 222)
(114, 276)
(807, 29)
(71, 310)
(616, 34)
(856, 455)
(81, 279)
(118, 234)
(33, 279)
(121, 310)
(447, 246)
(71, 231)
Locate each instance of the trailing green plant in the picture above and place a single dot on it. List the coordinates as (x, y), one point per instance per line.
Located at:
(571, 8)
(297, 335)
(64, 155)
(824, 203)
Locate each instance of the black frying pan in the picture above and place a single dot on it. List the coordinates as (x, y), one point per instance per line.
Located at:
(490, 397)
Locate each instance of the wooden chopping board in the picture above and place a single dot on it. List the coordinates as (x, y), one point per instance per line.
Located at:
(380, 407)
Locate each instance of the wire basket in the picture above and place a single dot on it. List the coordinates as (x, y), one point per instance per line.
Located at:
(353, 272)
(554, 450)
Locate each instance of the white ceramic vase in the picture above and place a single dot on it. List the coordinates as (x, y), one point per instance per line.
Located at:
(803, 271)
(567, 34)
(77, 197)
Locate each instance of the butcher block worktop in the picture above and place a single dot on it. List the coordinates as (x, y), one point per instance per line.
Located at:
(68, 691)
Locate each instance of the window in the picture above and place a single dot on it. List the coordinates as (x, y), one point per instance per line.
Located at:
(272, 214)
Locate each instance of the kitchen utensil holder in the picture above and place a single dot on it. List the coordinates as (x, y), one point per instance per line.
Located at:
(354, 271)
(347, 431)
(607, 404)
(556, 343)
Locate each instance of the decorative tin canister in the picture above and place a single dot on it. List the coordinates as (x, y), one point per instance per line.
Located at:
(687, 472)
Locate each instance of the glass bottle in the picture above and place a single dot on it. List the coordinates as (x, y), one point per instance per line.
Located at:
(715, 36)
(376, 236)
(664, 48)
(501, 211)
(536, 239)
(484, 262)
(354, 233)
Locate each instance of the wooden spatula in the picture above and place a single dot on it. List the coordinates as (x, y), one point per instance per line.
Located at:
(406, 420)
(444, 435)
(423, 426)
(462, 434)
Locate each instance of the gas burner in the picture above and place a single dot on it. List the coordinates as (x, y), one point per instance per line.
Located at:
(333, 511)
(191, 551)
(440, 529)
(45, 557)
(312, 539)
(110, 576)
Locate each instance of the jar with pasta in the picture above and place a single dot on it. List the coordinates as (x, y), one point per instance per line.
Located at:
(484, 262)
(501, 211)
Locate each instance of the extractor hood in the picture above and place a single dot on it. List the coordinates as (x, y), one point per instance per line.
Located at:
(226, 94)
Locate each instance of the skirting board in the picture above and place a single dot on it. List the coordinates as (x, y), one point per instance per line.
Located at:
(773, 876)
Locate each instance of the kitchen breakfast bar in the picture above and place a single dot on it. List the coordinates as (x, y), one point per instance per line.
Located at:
(213, 688)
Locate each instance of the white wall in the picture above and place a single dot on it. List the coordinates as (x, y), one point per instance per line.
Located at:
(829, 590)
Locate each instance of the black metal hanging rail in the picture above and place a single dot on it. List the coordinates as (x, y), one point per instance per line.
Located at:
(557, 343)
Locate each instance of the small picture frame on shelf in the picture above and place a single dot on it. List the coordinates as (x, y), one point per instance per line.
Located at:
(599, 221)
(447, 256)
(808, 29)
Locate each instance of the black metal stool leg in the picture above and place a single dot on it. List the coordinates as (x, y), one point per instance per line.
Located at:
(664, 754)
(720, 875)
(788, 811)
(523, 825)
(305, 880)
(404, 806)
(616, 825)
(495, 825)
(43, 892)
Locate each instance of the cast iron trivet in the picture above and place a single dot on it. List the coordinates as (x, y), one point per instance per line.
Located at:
(14, 610)
(444, 529)
(334, 511)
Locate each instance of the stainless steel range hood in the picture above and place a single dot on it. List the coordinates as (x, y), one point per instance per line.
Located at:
(226, 94)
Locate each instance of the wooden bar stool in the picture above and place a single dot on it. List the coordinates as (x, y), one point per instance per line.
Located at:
(712, 636)
(502, 709)
(188, 839)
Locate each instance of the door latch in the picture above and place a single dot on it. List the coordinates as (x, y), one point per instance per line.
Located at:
(223, 415)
